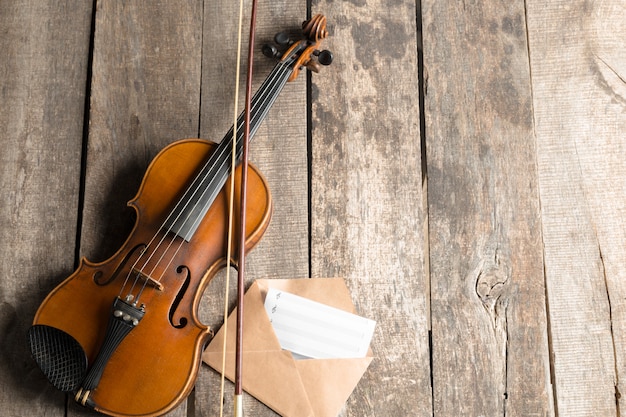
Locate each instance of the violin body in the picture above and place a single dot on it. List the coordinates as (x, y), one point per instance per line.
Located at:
(154, 367)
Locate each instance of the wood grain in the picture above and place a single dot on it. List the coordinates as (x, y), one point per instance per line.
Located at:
(578, 67)
(145, 94)
(489, 335)
(43, 69)
(366, 195)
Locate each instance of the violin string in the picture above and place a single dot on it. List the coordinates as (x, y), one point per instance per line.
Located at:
(278, 73)
(281, 73)
(193, 187)
(209, 175)
(196, 221)
(274, 80)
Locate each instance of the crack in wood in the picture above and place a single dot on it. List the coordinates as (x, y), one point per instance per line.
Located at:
(610, 67)
(611, 80)
(550, 341)
(618, 395)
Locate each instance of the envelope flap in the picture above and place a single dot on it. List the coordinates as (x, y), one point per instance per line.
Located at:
(271, 377)
(257, 337)
(331, 379)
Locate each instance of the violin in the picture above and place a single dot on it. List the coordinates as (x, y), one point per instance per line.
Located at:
(123, 336)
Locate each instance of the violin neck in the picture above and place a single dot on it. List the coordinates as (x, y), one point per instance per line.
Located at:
(186, 216)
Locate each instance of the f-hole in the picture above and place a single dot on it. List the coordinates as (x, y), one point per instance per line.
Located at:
(183, 320)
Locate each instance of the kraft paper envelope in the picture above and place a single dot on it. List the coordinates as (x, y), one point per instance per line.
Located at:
(292, 388)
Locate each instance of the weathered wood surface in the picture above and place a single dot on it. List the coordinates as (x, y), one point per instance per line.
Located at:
(579, 67)
(494, 266)
(44, 49)
(366, 196)
(489, 328)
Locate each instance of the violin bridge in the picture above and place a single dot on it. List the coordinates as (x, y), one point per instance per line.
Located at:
(150, 281)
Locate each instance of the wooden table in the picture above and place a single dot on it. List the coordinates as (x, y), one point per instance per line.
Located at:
(472, 192)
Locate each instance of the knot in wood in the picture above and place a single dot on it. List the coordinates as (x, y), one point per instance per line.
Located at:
(491, 281)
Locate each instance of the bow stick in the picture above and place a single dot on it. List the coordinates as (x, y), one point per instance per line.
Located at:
(238, 395)
(238, 401)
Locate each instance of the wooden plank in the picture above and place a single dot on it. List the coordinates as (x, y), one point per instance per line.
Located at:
(279, 150)
(490, 344)
(366, 195)
(578, 68)
(145, 94)
(43, 68)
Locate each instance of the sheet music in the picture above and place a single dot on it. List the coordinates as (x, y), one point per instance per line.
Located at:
(313, 330)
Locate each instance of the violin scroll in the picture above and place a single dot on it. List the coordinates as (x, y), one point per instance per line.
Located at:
(315, 28)
(314, 31)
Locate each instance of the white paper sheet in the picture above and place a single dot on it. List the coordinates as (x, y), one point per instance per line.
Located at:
(313, 330)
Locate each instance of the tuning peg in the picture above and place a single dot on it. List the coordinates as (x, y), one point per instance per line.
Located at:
(270, 51)
(282, 39)
(324, 57)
